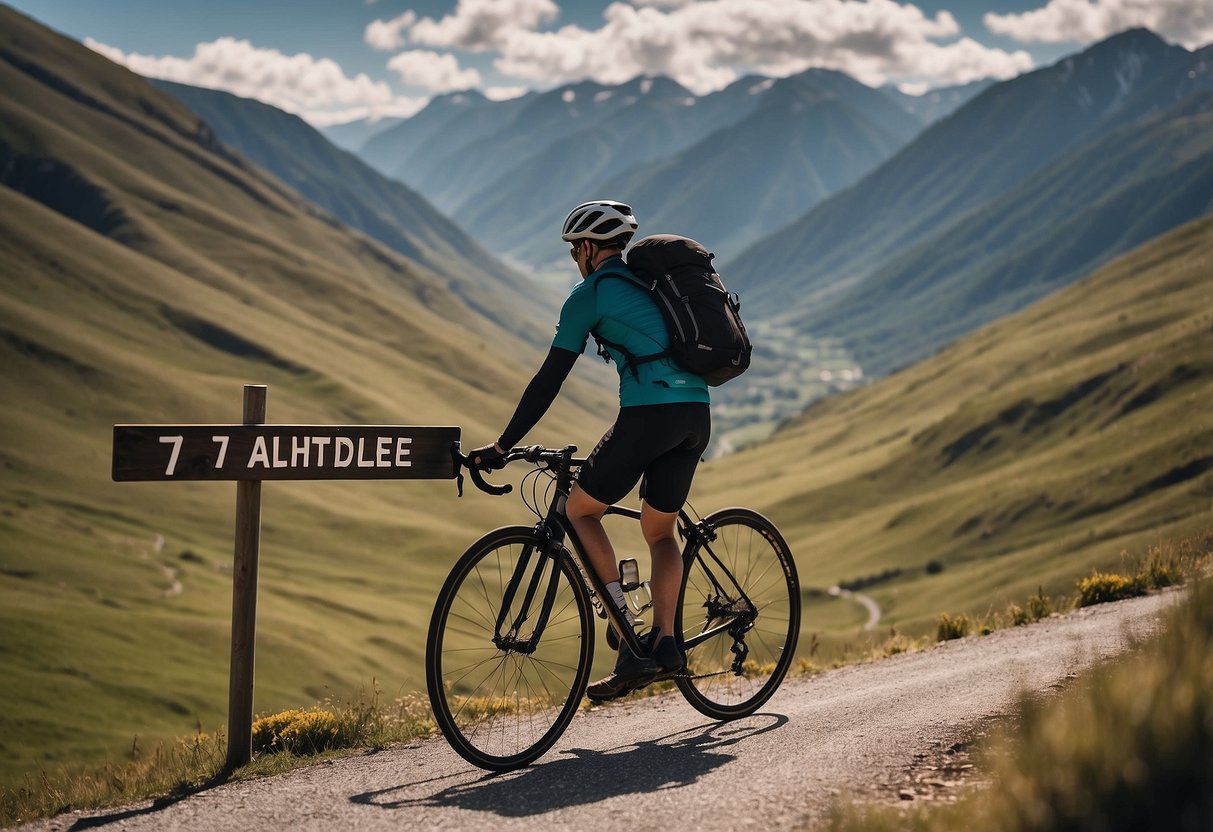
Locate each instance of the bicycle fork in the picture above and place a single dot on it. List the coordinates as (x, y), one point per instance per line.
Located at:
(506, 634)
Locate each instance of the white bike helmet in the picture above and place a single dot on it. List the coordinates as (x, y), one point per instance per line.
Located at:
(600, 219)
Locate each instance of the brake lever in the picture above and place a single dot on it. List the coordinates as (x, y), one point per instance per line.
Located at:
(457, 459)
(462, 461)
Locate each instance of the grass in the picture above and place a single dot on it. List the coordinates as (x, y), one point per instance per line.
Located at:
(281, 741)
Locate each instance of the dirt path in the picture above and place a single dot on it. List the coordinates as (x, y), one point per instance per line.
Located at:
(657, 764)
(866, 601)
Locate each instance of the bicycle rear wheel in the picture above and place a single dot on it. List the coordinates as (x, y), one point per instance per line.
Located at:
(500, 696)
(740, 587)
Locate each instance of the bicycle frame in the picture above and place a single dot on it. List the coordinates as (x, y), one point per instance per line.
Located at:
(555, 527)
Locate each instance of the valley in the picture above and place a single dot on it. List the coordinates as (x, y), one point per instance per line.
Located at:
(981, 371)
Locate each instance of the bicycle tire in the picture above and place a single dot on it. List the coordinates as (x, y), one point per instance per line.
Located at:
(500, 709)
(754, 551)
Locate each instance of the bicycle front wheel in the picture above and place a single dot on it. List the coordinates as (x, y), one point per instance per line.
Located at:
(509, 650)
(738, 613)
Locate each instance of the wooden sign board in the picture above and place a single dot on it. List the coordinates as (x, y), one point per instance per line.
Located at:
(282, 452)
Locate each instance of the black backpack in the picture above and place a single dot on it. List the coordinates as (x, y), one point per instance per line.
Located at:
(707, 337)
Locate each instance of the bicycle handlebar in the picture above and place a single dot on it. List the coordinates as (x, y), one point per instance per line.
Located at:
(530, 453)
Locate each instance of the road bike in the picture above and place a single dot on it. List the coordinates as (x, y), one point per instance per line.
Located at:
(511, 639)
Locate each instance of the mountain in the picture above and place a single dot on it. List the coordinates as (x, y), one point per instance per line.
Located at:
(451, 120)
(1023, 456)
(512, 169)
(940, 102)
(352, 135)
(362, 198)
(954, 168)
(460, 175)
(773, 147)
(519, 210)
(802, 143)
(148, 272)
(1090, 204)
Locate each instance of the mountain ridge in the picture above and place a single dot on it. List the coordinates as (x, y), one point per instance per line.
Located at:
(386, 210)
(868, 246)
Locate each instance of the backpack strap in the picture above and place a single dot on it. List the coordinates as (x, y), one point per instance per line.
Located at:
(631, 361)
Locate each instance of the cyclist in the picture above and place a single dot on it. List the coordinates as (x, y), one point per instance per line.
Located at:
(658, 437)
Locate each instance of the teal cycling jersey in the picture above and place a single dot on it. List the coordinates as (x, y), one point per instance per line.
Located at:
(619, 311)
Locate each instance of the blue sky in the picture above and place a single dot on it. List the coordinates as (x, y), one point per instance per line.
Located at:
(333, 60)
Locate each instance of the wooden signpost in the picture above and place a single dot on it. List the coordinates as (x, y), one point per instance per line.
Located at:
(249, 453)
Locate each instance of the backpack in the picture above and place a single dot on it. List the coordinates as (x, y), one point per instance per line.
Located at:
(703, 318)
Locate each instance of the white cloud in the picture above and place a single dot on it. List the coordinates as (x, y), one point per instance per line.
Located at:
(388, 34)
(707, 44)
(504, 93)
(439, 73)
(914, 89)
(402, 107)
(314, 88)
(483, 25)
(1189, 22)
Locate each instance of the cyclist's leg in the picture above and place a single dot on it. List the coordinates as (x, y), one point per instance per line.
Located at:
(612, 469)
(666, 484)
(585, 513)
(666, 555)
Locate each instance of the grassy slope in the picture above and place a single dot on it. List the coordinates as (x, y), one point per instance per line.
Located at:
(1021, 456)
(212, 275)
(362, 198)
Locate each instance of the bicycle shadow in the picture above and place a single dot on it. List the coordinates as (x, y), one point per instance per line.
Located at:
(157, 805)
(582, 776)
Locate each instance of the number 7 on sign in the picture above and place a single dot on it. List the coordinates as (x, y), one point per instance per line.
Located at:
(175, 441)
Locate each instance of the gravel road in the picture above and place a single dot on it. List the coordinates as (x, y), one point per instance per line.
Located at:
(656, 763)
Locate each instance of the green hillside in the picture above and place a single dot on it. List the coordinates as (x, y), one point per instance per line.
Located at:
(362, 198)
(1020, 457)
(147, 272)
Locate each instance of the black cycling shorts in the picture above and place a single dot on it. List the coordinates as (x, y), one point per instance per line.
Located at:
(661, 442)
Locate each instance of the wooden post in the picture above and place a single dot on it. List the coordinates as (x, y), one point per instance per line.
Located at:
(251, 453)
(244, 600)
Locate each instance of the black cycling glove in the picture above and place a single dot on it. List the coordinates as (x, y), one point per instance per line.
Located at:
(487, 458)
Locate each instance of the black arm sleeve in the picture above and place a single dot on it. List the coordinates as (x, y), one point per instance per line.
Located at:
(538, 396)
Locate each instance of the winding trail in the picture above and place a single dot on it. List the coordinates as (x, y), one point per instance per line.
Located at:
(868, 602)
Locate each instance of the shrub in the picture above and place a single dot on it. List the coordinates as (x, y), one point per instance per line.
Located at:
(952, 626)
(1039, 606)
(296, 732)
(934, 567)
(1166, 565)
(1017, 615)
(1107, 586)
(897, 643)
